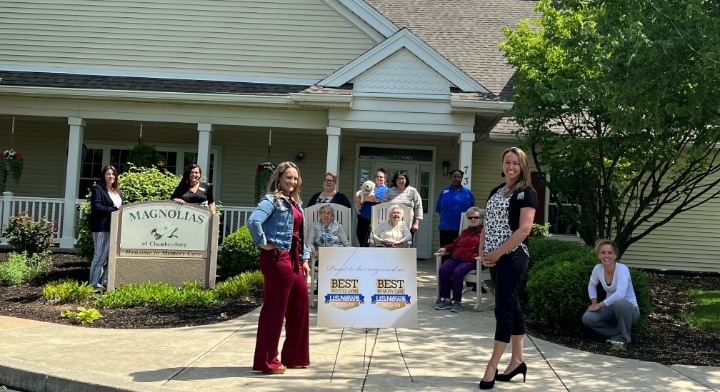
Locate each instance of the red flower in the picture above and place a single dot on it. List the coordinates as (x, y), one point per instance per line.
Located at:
(18, 155)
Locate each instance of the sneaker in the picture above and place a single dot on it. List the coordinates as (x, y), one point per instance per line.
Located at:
(456, 307)
(615, 340)
(444, 305)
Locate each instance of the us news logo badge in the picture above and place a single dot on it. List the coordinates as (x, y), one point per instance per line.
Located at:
(344, 294)
(390, 294)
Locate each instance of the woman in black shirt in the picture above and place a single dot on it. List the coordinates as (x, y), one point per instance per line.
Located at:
(191, 190)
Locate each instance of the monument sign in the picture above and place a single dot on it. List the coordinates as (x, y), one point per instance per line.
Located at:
(162, 241)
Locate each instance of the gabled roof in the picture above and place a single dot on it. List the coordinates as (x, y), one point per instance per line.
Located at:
(466, 32)
(404, 39)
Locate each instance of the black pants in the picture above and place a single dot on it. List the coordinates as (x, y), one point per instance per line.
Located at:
(506, 276)
(363, 230)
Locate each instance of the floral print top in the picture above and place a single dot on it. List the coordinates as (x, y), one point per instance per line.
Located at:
(497, 222)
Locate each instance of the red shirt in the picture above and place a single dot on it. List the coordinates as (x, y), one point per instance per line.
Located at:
(466, 246)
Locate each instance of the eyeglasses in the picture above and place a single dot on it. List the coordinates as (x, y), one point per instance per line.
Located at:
(330, 181)
(474, 217)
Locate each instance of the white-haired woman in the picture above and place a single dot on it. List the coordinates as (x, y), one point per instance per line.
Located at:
(326, 231)
(392, 232)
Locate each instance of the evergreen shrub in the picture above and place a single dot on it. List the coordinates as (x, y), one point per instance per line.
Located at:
(540, 248)
(557, 289)
(238, 254)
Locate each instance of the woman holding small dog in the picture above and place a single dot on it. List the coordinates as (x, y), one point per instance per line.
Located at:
(402, 193)
(329, 194)
(364, 203)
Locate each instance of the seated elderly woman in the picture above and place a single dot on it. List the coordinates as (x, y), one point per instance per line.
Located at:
(326, 232)
(464, 250)
(392, 232)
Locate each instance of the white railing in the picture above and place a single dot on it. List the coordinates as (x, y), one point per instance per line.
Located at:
(52, 209)
(233, 218)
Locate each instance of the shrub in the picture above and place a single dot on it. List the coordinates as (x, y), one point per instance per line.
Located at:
(239, 285)
(641, 285)
(68, 291)
(37, 265)
(19, 268)
(539, 231)
(238, 254)
(136, 184)
(83, 315)
(27, 235)
(557, 289)
(540, 249)
(158, 294)
(13, 269)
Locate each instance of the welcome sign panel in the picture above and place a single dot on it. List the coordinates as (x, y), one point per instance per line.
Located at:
(367, 288)
(164, 229)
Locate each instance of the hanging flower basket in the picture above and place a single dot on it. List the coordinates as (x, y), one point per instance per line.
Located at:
(11, 165)
(264, 170)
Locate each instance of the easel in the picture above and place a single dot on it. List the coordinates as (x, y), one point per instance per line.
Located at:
(377, 332)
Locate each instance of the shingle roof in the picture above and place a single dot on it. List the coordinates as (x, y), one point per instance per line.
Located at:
(61, 80)
(466, 32)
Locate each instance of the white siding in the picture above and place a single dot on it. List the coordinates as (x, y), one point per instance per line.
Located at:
(301, 39)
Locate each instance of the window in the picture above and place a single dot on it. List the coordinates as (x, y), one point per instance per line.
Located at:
(174, 161)
(558, 224)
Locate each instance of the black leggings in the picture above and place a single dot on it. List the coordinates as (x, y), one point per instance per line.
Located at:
(506, 276)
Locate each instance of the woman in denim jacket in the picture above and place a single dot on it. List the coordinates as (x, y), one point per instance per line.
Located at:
(276, 227)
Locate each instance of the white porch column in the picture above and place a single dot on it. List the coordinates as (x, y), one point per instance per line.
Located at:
(72, 181)
(333, 149)
(466, 140)
(204, 148)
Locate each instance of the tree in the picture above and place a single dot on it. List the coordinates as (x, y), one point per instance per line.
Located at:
(618, 103)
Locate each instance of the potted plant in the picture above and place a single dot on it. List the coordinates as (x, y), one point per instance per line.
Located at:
(11, 165)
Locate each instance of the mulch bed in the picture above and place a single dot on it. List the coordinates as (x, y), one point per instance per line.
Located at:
(667, 339)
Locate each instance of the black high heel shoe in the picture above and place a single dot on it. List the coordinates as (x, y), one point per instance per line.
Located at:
(488, 384)
(521, 368)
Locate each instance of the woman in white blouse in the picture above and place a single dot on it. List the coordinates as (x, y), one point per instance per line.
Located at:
(614, 316)
(392, 232)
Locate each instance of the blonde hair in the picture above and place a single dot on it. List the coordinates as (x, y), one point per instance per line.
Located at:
(331, 174)
(602, 242)
(525, 180)
(274, 181)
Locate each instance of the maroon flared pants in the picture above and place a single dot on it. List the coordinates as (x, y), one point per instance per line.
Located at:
(285, 296)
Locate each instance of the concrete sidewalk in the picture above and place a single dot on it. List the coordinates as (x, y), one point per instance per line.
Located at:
(446, 352)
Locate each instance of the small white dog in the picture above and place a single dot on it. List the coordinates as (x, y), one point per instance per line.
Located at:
(367, 189)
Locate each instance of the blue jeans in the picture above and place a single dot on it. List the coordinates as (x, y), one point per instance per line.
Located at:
(98, 266)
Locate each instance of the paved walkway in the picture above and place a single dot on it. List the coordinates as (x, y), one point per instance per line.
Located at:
(447, 352)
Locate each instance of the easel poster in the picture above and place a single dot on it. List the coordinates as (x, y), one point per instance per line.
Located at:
(367, 288)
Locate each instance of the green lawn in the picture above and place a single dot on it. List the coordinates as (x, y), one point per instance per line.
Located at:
(706, 313)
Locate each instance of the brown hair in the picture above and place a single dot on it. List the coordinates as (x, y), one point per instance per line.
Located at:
(114, 185)
(274, 181)
(602, 242)
(524, 181)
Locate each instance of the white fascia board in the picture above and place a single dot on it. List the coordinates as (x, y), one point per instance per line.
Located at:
(481, 106)
(337, 101)
(365, 17)
(404, 39)
(159, 75)
(144, 96)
